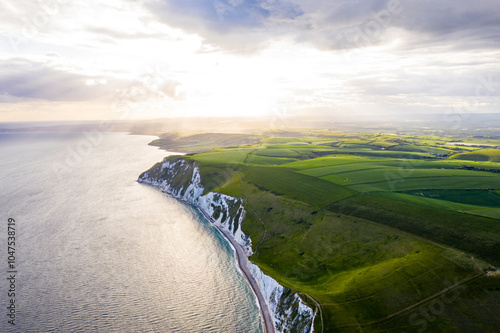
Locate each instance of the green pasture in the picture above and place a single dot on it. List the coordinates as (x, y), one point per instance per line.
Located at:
(359, 271)
(357, 146)
(305, 188)
(393, 154)
(375, 175)
(415, 183)
(334, 169)
(267, 160)
(491, 155)
(276, 152)
(493, 212)
(295, 145)
(367, 257)
(328, 143)
(403, 167)
(435, 164)
(486, 198)
(415, 148)
(223, 156)
(325, 161)
(278, 141)
(474, 234)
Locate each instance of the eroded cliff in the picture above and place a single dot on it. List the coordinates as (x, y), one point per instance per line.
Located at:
(181, 178)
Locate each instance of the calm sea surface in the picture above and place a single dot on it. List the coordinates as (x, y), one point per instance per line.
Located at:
(98, 252)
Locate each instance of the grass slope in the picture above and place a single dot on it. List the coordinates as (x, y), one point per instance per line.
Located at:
(359, 271)
(375, 262)
(492, 155)
(305, 188)
(486, 198)
(202, 142)
(476, 235)
(223, 156)
(265, 160)
(407, 184)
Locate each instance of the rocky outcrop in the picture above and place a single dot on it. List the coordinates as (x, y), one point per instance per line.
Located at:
(181, 178)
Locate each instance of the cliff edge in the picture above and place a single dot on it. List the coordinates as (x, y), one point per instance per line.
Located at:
(181, 178)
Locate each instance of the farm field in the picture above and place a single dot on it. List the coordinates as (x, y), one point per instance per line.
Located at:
(492, 155)
(371, 226)
(443, 204)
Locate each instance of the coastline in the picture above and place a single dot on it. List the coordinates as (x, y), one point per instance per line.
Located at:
(242, 259)
(280, 309)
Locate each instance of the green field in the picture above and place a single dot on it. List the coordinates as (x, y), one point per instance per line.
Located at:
(276, 152)
(335, 169)
(373, 175)
(266, 160)
(491, 155)
(485, 198)
(325, 161)
(470, 233)
(428, 201)
(414, 148)
(200, 142)
(406, 184)
(305, 188)
(223, 156)
(371, 226)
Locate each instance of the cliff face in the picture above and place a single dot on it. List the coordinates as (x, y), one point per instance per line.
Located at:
(289, 312)
(181, 179)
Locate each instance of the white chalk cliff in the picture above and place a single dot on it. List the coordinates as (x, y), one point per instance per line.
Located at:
(181, 179)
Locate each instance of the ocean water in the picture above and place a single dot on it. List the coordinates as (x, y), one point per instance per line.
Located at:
(98, 252)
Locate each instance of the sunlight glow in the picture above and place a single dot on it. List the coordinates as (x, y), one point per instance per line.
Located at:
(122, 55)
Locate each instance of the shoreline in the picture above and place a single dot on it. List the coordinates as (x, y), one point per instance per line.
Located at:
(266, 290)
(242, 259)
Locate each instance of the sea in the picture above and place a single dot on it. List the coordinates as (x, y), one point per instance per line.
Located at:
(95, 251)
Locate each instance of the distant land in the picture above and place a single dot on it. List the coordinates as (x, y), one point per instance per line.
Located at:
(385, 231)
(380, 226)
(475, 124)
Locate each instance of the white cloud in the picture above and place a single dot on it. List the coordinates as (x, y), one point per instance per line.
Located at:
(241, 57)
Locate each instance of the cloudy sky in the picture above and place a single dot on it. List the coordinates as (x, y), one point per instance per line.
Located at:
(128, 59)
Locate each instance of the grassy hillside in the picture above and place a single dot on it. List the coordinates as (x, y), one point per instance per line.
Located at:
(492, 155)
(177, 142)
(375, 228)
(474, 234)
(305, 188)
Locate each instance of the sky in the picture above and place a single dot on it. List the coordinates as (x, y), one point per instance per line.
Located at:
(140, 59)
